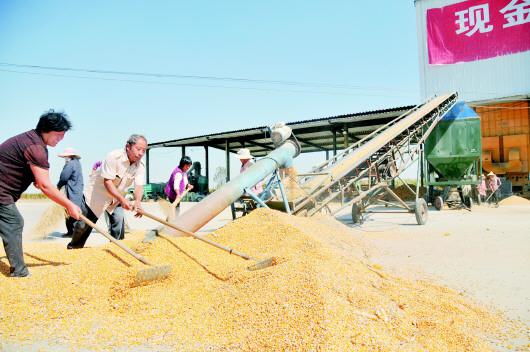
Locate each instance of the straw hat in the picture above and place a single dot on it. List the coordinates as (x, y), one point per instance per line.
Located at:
(491, 173)
(69, 152)
(244, 154)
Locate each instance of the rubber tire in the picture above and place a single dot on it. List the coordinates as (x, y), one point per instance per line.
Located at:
(421, 211)
(438, 203)
(356, 214)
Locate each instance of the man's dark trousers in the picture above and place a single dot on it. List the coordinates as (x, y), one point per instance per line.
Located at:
(11, 226)
(81, 229)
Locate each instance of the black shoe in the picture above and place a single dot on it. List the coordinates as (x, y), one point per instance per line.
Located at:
(70, 246)
(24, 273)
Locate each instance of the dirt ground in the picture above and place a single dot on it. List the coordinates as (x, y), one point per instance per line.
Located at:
(484, 253)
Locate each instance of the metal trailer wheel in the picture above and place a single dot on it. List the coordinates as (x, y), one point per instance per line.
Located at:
(438, 203)
(244, 209)
(356, 214)
(421, 211)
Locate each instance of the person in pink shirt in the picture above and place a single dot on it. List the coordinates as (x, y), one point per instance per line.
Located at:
(494, 184)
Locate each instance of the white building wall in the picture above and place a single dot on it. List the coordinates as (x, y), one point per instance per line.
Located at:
(498, 77)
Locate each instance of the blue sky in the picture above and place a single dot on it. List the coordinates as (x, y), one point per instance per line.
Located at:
(363, 55)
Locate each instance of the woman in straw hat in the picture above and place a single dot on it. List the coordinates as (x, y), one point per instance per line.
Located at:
(71, 179)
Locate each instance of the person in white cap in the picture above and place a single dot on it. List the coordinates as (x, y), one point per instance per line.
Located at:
(108, 186)
(71, 179)
(494, 183)
(246, 161)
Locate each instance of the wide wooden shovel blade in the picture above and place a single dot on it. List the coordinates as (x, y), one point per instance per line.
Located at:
(153, 273)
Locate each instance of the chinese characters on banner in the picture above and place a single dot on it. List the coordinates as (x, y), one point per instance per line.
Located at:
(477, 29)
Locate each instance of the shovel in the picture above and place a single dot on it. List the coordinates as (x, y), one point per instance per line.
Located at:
(173, 206)
(177, 201)
(155, 272)
(260, 264)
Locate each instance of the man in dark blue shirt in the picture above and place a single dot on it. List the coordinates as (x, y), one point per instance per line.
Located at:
(72, 179)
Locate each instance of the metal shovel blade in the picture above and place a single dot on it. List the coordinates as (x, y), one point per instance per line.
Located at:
(263, 264)
(150, 236)
(153, 273)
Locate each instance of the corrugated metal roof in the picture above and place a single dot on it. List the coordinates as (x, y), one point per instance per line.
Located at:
(315, 134)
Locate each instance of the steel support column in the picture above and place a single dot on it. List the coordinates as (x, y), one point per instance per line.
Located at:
(207, 166)
(147, 166)
(227, 153)
(334, 142)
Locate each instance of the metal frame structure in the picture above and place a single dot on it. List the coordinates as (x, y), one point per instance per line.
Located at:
(369, 179)
(274, 182)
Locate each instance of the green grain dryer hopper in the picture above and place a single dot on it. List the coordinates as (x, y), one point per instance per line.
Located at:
(452, 158)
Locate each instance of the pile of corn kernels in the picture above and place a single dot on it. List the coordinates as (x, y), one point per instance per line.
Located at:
(320, 295)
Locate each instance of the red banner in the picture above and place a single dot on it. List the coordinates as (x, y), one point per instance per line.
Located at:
(477, 29)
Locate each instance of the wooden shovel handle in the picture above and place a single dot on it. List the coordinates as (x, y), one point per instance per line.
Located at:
(189, 233)
(177, 201)
(115, 241)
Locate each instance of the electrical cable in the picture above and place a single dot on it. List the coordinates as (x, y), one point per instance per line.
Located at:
(201, 77)
(200, 85)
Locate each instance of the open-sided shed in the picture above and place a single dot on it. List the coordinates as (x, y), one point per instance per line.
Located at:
(327, 134)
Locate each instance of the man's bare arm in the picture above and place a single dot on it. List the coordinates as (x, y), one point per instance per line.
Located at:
(42, 182)
(113, 191)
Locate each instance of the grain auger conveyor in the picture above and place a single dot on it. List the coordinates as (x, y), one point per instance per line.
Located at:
(361, 175)
(286, 149)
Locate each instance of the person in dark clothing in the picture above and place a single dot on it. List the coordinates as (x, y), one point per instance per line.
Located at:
(72, 179)
(23, 160)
